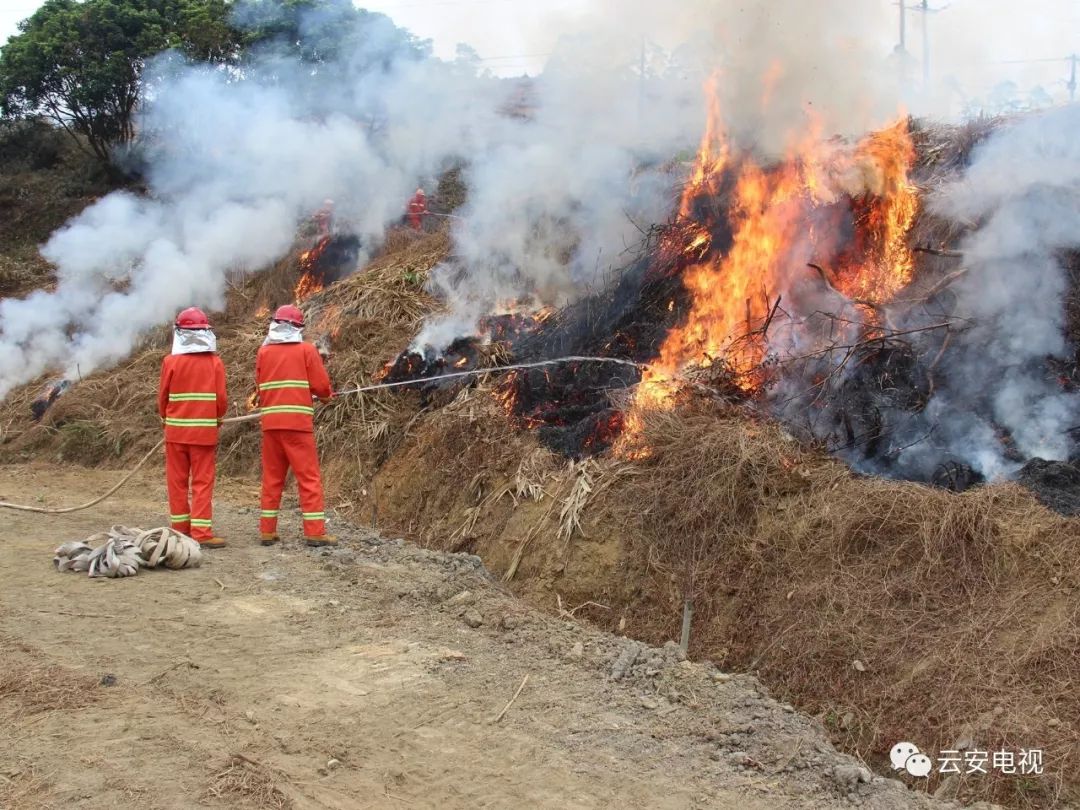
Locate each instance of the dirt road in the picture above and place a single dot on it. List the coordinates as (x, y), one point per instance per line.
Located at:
(355, 678)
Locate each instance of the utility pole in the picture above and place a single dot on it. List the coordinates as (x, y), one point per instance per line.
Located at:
(900, 53)
(924, 7)
(1074, 62)
(641, 85)
(903, 26)
(925, 46)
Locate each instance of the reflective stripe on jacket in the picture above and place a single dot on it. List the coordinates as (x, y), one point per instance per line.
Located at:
(191, 397)
(288, 376)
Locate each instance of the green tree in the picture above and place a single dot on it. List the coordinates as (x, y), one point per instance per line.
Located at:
(203, 32)
(326, 31)
(79, 63)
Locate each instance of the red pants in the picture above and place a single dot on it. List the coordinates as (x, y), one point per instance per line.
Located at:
(414, 222)
(282, 450)
(191, 465)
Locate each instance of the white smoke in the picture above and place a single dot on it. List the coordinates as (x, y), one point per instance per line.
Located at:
(556, 198)
(1023, 191)
(557, 204)
(996, 398)
(553, 211)
(232, 166)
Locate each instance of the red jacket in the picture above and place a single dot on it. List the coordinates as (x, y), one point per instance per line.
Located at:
(288, 376)
(191, 397)
(418, 204)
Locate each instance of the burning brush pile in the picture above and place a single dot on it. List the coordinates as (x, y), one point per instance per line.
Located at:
(333, 257)
(833, 290)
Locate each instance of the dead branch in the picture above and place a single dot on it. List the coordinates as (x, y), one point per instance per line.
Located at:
(569, 614)
(772, 314)
(945, 282)
(896, 451)
(862, 302)
(177, 665)
(510, 703)
(937, 359)
(951, 254)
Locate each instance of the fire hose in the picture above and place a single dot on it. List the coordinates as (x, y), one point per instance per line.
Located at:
(362, 389)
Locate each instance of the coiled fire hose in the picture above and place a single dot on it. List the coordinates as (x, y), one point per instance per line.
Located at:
(45, 510)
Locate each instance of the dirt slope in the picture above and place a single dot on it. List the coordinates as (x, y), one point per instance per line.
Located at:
(239, 683)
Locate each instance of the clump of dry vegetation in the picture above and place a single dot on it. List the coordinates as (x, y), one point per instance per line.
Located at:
(30, 685)
(248, 783)
(861, 598)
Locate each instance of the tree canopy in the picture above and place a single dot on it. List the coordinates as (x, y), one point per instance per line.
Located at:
(80, 63)
(322, 31)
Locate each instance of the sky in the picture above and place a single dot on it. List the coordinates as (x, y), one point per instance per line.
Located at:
(971, 40)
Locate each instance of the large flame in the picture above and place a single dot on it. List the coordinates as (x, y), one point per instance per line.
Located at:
(311, 279)
(848, 207)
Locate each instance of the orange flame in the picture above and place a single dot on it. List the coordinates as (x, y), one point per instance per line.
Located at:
(306, 287)
(310, 282)
(884, 216)
(780, 218)
(713, 153)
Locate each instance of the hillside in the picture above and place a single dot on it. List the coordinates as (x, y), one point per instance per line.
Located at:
(375, 673)
(888, 610)
(44, 180)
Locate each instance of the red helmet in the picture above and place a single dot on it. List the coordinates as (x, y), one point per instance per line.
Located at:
(192, 318)
(289, 314)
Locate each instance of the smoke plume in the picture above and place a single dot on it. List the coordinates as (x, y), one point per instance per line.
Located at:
(235, 160)
(1022, 192)
(233, 163)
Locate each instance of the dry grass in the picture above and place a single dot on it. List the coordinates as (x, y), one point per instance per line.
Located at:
(23, 786)
(963, 608)
(30, 685)
(248, 783)
(111, 415)
(389, 289)
(945, 149)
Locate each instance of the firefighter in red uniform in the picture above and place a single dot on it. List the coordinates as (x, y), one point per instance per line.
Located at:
(289, 374)
(417, 209)
(324, 219)
(191, 403)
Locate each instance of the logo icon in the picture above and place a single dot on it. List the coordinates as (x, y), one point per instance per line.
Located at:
(905, 756)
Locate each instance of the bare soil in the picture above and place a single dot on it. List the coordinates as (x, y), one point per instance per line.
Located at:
(348, 678)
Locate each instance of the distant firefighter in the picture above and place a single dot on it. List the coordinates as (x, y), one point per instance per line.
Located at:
(324, 219)
(49, 394)
(417, 210)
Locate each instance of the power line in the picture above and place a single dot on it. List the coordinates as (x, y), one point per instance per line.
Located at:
(515, 56)
(431, 3)
(924, 7)
(1072, 59)
(1027, 61)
